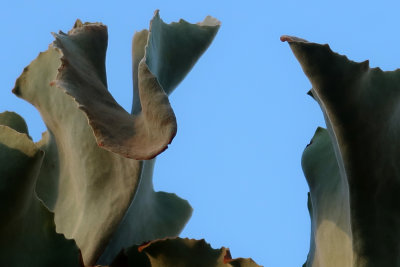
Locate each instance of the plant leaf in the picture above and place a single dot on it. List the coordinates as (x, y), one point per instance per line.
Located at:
(331, 238)
(361, 109)
(89, 188)
(174, 48)
(179, 252)
(14, 121)
(82, 75)
(27, 230)
(170, 51)
(151, 215)
(95, 186)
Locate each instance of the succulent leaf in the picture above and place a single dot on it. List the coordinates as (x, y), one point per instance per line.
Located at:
(14, 121)
(170, 51)
(360, 105)
(173, 49)
(331, 243)
(179, 252)
(89, 188)
(82, 75)
(151, 215)
(161, 214)
(27, 229)
(94, 187)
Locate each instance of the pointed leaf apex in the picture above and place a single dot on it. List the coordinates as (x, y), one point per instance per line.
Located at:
(310, 93)
(78, 23)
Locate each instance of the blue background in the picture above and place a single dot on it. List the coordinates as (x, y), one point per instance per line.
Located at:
(243, 114)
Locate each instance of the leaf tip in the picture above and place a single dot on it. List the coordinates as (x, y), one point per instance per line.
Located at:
(289, 39)
(227, 256)
(210, 21)
(78, 23)
(143, 246)
(16, 90)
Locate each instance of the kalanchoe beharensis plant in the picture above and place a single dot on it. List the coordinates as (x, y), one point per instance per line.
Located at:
(83, 195)
(353, 167)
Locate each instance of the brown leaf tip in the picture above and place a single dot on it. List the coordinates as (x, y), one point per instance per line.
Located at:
(228, 256)
(143, 246)
(288, 38)
(16, 90)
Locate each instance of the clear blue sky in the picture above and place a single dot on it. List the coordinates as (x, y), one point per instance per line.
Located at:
(243, 114)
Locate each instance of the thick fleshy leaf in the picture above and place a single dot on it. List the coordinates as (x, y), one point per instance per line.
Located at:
(174, 48)
(82, 75)
(27, 230)
(170, 51)
(329, 200)
(14, 121)
(90, 189)
(179, 252)
(95, 186)
(361, 110)
(139, 43)
(152, 215)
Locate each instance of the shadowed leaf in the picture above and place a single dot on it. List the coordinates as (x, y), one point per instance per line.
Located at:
(152, 215)
(27, 230)
(178, 47)
(329, 205)
(93, 187)
(361, 108)
(179, 252)
(14, 121)
(90, 189)
(173, 49)
(82, 75)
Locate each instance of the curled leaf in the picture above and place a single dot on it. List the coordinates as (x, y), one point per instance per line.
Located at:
(14, 121)
(173, 48)
(82, 75)
(88, 188)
